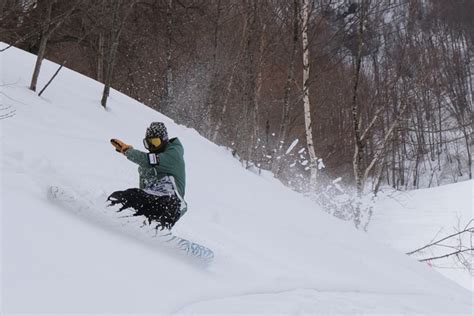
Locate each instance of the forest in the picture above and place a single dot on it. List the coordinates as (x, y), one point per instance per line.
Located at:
(376, 93)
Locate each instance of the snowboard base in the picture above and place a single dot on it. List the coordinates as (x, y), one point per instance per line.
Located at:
(85, 207)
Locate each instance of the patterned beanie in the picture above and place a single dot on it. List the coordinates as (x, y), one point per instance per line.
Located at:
(157, 129)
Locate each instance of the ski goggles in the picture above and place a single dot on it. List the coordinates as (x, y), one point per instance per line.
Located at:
(154, 142)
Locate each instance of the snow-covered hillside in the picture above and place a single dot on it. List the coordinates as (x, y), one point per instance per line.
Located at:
(276, 252)
(409, 220)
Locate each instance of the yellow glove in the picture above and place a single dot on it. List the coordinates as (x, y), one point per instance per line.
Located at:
(120, 146)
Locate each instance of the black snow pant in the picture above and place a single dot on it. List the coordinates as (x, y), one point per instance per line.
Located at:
(164, 211)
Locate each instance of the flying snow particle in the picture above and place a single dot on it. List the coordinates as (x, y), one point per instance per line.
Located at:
(321, 164)
(293, 144)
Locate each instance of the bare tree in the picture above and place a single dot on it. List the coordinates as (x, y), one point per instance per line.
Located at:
(230, 82)
(118, 22)
(168, 102)
(101, 44)
(285, 111)
(49, 26)
(366, 156)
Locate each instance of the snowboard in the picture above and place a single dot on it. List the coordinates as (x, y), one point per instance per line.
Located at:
(86, 207)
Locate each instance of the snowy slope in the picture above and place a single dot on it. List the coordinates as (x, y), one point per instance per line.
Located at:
(275, 251)
(409, 220)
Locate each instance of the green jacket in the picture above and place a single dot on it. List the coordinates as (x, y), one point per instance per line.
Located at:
(170, 163)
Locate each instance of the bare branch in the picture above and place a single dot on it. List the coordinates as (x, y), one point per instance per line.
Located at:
(455, 253)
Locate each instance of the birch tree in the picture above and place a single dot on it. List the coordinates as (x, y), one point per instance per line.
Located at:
(313, 165)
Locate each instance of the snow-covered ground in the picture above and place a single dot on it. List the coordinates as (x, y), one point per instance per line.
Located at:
(409, 220)
(276, 252)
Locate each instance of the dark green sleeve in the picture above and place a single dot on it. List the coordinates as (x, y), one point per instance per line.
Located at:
(138, 157)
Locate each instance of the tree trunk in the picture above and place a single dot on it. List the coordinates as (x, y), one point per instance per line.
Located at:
(258, 86)
(45, 34)
(470, 97)
(100, 58)
(307, 107)
(285, 114)
(101, 46)
(39, 60)
(359, 146)
(250, 83)
(230, 83)
(2, 7)
(168, 99)
(213, 82)
(117, 26)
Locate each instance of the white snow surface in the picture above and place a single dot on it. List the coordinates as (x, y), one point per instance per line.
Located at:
(409, 220)
(276, 252)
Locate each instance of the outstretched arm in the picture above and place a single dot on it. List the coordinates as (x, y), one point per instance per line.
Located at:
(139, 157)
(164, 162)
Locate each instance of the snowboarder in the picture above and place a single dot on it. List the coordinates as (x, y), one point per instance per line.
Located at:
(162, 178)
